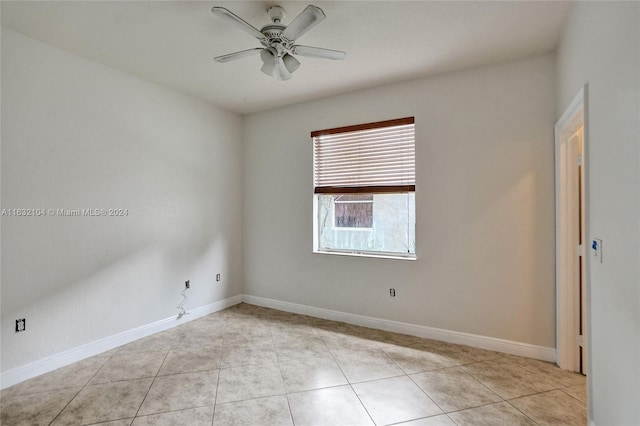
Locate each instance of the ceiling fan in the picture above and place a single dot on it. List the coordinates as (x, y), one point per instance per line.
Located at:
(278, 40)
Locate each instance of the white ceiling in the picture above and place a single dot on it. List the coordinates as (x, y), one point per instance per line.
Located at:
(173, 42)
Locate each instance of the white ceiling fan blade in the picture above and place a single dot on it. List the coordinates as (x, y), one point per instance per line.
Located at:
(308, 18)
(237, 21)
(282, 73)
(237, 55)
(318, 52)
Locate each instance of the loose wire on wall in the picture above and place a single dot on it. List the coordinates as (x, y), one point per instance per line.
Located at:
(183, 312)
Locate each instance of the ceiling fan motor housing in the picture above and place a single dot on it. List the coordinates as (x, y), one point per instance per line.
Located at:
(273, 37)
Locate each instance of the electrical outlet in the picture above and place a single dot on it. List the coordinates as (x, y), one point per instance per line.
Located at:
(21, 325)
(218, 277)
(186, 284)
(392, 292)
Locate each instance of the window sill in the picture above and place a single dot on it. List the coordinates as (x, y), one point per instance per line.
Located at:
(339, 228)
(367, 254)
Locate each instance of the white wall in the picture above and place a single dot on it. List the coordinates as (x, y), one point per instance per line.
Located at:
(77, 134)
(601, 47)
(485, 205)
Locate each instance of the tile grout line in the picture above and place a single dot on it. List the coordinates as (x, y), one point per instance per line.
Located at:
(284, 385)
(572, 396)
(482, 384)
(215, 400)
(65, 407)
(151, 386)
(523, 413)
(81, 389)
(348, 381)
(487, 385)
(426, 393)
(156, 413)
(251, 399)
(509, 401)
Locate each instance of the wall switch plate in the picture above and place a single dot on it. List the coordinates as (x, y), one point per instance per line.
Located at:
(21, 325)
(596, 249)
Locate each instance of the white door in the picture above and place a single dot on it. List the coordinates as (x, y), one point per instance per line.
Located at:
(571, 238)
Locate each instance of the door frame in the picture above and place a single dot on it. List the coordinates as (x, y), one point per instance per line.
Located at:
(567, 353)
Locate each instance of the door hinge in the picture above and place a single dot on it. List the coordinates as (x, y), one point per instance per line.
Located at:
(580, 249)
(579, 160)
(580, 340)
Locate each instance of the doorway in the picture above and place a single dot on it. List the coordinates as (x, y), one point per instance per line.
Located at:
(571, 234)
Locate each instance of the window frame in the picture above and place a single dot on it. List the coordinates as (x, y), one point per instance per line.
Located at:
(361, 189)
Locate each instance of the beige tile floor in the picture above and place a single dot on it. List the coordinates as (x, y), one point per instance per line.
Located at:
(249, 365)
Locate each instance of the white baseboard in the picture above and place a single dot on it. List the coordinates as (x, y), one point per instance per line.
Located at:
(50, 363)
(483, 342)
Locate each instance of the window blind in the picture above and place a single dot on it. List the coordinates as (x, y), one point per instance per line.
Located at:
(368, 158)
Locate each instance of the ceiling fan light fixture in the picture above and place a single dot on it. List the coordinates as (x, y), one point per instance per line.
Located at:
(268, 57)
(291, 63)
(282, 73)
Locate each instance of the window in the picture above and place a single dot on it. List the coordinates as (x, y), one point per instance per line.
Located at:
(364, 189)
